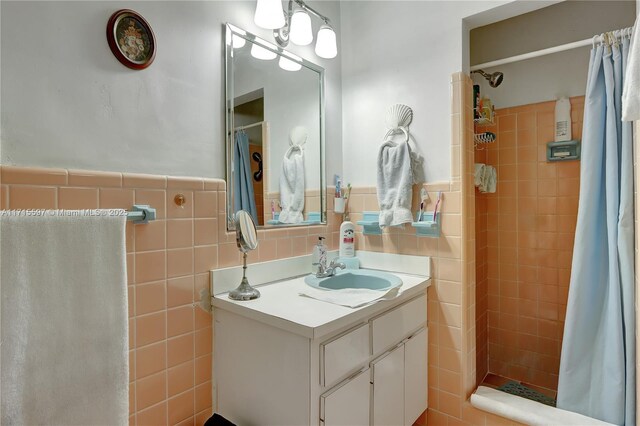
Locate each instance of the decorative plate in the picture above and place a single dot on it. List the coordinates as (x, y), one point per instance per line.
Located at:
(131, 39)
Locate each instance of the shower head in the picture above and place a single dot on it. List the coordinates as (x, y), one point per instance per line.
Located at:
(494, 79)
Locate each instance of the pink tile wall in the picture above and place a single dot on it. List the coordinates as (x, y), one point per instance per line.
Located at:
(482, 355)
(169, 259)
(168, 263)
(530, 224)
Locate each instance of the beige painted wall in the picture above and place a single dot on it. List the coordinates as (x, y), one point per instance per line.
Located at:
(551, 76)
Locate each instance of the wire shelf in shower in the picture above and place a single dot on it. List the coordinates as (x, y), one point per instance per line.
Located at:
(482, 139)
(483, 121)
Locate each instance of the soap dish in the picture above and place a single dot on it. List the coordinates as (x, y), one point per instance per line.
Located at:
(427, 227)
(370, 223)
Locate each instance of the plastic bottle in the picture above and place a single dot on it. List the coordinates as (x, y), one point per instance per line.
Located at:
(563, 120)
(347, 240)
(319, 256)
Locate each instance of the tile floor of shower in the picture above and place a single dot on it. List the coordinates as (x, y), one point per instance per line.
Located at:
(496, 382)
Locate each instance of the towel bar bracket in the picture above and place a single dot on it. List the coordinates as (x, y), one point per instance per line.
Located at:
(141, 214)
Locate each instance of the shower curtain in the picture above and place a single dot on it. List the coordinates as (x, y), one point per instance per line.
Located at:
(243, 196)
(597, 365)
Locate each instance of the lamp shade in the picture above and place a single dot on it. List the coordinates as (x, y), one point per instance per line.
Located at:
(238, 42)
(269, 14)
(260, 52)
(301, 32)
(288, 64)
(326, 46)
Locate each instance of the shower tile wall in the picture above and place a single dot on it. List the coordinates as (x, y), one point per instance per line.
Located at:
(482, 343)
(525, 234)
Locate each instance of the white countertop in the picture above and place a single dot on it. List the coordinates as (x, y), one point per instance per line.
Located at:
(280, 305)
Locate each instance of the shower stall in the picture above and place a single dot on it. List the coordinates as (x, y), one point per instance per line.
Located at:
(525, 233)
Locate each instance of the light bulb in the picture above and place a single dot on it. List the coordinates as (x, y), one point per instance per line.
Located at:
(260, 52)
(301, 33)
(238, 42)
(288, 64)
(326, 46)
(269, 14)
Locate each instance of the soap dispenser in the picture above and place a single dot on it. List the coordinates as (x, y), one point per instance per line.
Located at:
(319, 256)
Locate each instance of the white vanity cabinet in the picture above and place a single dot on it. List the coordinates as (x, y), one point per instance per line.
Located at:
(370, 368)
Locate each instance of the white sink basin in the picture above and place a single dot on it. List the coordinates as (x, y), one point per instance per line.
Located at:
(355, 278)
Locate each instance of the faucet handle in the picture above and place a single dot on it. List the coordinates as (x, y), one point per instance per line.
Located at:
(335, 265)
(320, 265)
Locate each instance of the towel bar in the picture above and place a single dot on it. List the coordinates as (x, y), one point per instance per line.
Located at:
(141, 214)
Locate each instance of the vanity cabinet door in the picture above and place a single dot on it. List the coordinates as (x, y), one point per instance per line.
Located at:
(415, 377)
(388, 388)
(348, 403)
(392, 327)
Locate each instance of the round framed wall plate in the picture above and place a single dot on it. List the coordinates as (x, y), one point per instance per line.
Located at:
(131, 39)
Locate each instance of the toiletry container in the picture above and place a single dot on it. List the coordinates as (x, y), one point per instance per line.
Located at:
(347, 239)
(347, 246)
(319, 256)
(563, 120)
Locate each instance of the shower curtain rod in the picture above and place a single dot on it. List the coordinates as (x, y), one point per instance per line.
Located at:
(543, 52)
(248, 126)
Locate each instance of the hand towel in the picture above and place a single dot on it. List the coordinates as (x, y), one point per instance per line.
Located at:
(490, 180)
(350, 297)
(292, 186)
(478, 176)
(631, 90)
(64, 320)
(395, 178)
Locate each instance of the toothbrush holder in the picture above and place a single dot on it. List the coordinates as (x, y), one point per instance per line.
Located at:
(338, 205)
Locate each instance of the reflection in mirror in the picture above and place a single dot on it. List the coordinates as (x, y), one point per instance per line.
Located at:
(247, 240)
(275, 133)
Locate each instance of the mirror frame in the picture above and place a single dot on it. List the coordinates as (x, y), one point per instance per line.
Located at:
(230, 31)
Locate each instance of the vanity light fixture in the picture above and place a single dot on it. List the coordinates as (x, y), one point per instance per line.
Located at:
(326, 43)
(300, 32)
(297, 28)
(260, 52)
(288, 64)
(238, 42)
(269, 14)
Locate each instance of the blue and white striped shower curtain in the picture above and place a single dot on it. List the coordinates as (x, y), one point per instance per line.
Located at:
(597, 366)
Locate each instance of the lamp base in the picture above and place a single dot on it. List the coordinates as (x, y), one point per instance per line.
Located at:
(244, 291)
(281, 35)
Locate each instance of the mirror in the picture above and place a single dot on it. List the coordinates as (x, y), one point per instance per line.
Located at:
(274, 134)
(246, 236)
(247, 240)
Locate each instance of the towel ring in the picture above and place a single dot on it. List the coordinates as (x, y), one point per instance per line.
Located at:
(397, 130)
(298, 136)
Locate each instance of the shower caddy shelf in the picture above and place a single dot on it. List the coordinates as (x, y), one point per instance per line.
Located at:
(482, 121)
(483, 138)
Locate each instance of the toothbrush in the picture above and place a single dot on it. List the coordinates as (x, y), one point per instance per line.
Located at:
(424, 195)
(336, 179)
(435, 210)
(348, 192)
(273, 210)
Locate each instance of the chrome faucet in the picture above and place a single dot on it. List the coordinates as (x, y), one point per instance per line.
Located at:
(324, 271)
